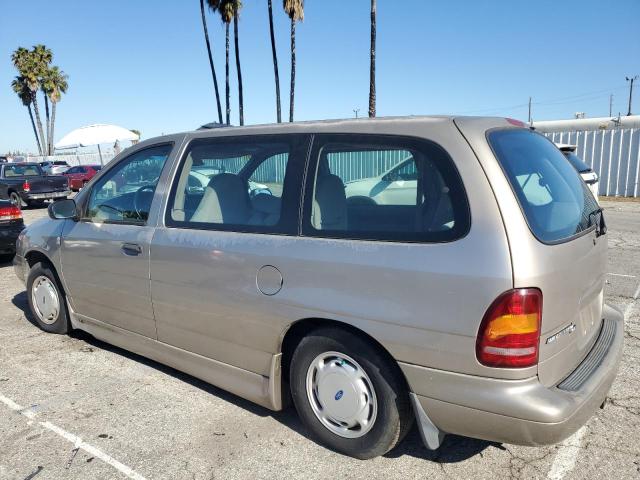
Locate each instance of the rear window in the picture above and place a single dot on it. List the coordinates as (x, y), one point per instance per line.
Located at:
(21, 171)
(577, 162)
(555, 201)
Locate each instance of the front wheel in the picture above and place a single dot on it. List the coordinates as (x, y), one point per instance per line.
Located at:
(348, 394)
(46, 299)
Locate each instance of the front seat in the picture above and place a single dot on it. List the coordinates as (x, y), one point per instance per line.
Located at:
(329, 204)
(225, 200)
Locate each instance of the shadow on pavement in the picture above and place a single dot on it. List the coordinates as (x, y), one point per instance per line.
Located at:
(454, 448)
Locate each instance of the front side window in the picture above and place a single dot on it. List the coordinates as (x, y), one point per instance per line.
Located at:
(555, 201)
(385, 188)
(238, 184)
(125, 193)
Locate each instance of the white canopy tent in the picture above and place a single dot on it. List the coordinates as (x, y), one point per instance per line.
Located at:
(95, 135)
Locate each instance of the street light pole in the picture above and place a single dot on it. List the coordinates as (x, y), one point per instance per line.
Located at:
(630, 80)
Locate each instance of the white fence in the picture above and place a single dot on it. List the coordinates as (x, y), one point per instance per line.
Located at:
(75, 159)
(614, 154)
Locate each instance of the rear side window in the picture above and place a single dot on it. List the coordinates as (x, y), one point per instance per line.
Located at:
(245, 184)
(555, 201)
(384, 188)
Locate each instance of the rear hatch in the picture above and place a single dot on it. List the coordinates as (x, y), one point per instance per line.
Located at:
(558, 244)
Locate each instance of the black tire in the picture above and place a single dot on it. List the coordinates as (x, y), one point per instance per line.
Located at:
(394, 415)
(15, 199)
(60, 324)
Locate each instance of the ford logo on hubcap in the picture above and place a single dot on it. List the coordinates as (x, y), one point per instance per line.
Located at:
(339, 394)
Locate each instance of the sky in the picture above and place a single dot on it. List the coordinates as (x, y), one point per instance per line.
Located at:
(143, 65)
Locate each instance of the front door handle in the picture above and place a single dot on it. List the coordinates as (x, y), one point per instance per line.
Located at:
(131, 249)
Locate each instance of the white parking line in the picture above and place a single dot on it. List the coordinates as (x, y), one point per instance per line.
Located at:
(77, 441)
(621, 275)
(567, 456)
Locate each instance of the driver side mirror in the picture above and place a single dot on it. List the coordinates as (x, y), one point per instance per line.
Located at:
(63, 209)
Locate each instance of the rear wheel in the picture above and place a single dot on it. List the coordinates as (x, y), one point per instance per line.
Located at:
(348, 394)
(15, 199)
(46, 299)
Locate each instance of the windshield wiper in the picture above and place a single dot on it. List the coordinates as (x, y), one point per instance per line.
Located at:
(601, 226)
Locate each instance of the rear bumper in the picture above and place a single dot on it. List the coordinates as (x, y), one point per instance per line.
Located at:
(8, 237)
(522, 412)
(44, 195)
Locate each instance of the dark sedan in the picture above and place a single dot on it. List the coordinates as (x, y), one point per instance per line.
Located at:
(11, 224)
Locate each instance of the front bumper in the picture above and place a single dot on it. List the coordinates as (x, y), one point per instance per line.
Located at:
(20, 268)
(8, 236)
(45, 195)
(522, 412)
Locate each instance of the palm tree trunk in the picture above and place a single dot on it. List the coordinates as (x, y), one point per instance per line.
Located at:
(293, 69)
(227, 79)
(237, 49)
(38, 121)
(53, 124)
(213, 70)
(46, 110)
(275, 62)
(372, 67)
(35, 132)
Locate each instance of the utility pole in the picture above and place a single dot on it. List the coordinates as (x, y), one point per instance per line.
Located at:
(610, 104)
(630, 80)
(356, 110)
(529, 110)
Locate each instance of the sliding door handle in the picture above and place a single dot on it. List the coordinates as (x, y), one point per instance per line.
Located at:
(131, 249)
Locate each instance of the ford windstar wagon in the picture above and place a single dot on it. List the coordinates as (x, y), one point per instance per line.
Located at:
(375, 272)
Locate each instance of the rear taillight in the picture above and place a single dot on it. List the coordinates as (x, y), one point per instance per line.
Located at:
(10, 213)
(509, 334)
(26, 187)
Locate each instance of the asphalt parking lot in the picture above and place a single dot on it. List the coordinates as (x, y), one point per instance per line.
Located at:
(73, 407)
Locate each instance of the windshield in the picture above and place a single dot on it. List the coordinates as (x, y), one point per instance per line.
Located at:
(21, 171)
(577, 162)
(555, 201)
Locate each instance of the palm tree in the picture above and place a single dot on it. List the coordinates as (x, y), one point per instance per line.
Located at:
(29, 66)
(20, 87)
(226, 9)
(237, 5)
(56, 85)
(275, 62)
(42, 58)
(372, 65)
(213, 5)
(295, 10)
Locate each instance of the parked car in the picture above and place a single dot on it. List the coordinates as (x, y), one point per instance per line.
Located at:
(4, 160)
(476, 309)
(11, 224)
(396, 186)
(80, 175)
(25, 184)
(57, 167)
(586, 172)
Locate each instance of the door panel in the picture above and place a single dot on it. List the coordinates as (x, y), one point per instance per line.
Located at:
(205, 262)
(104, 282)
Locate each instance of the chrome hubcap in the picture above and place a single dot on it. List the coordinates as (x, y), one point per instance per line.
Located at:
(341, 395)
(45, 300)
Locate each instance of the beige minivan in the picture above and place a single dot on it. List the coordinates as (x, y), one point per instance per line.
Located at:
(462, 290)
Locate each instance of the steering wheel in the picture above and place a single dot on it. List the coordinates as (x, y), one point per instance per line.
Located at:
(136, 198)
